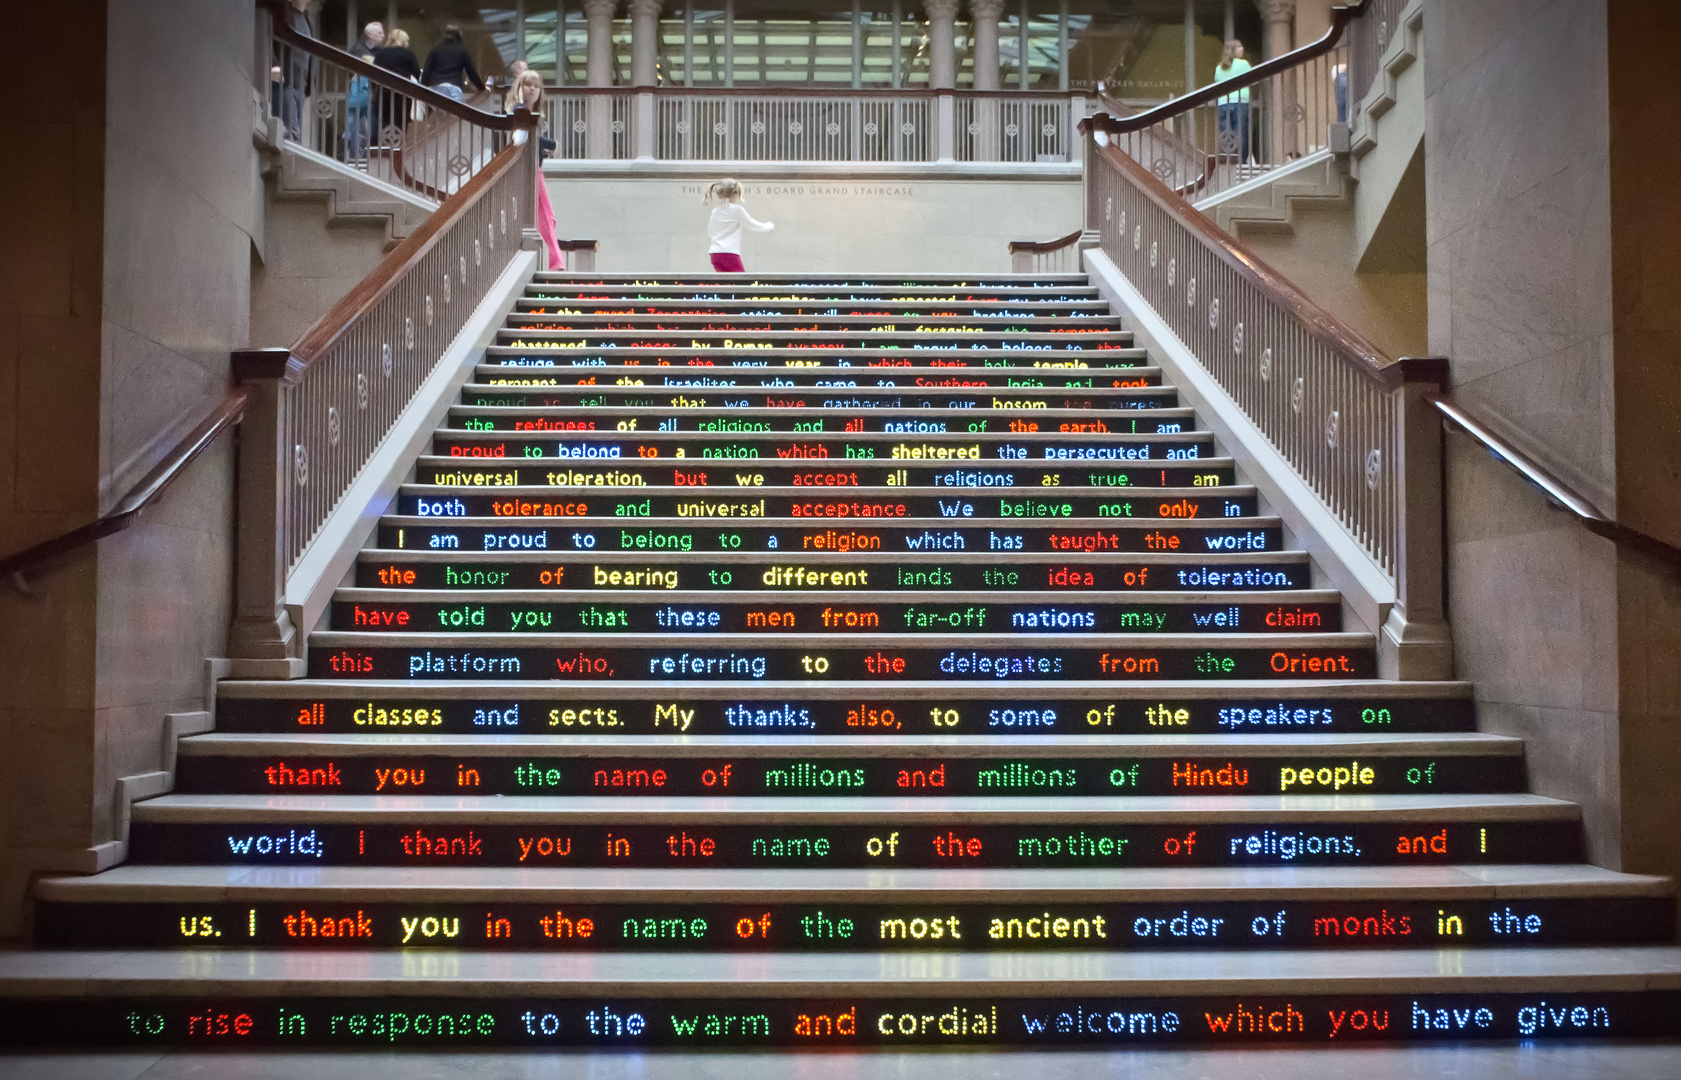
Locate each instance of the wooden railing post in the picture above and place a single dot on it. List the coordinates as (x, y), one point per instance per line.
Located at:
(262, 641)
(1416, 642)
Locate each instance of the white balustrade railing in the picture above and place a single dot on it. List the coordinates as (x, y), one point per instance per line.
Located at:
(1034, 128)
(671, 124)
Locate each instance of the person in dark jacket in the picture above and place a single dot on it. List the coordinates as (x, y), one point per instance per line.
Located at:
(291, 85)
(396, 57)
(448, 62)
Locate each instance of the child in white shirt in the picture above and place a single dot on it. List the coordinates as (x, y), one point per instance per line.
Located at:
(724, 228)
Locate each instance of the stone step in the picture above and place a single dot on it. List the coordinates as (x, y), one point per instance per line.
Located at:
(596, 371)
(598, 910)
(1223, 535)
(391, 709)
(1171, 497)
(725, 339)
(698, 615)
(861, 831)
(657, 319)
(858, 572)
(835, 292)
(712, 279)
(1186, 469)
(1137, 658)
(876, 308)
(900, 421)
(1100, 401)
(794, 766)
(825, 446)
(462, 1000)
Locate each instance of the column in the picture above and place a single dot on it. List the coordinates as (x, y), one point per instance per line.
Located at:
(942, 43)
(1279, 18)
(644, 42)
(1277, 95)
(1024, 41)
(942, 73)
(984, 16)
(598, 109)
(1191, 81)
(644, 71)
(987, 113)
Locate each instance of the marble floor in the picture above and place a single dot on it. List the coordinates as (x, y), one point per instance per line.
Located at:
(1601, 1061)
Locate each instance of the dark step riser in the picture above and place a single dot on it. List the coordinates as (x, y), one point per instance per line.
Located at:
(1144, 471)
(955, 1018)
(1098, 838)
(763, 322)
(678, 535)
(837, 446)
(619, 571)
(551, 393)
(784, 617)
(683, 340)
(959, 711)
(1154, 419)
(418, 772)
(818, 926)
(729, 499)
(545, 374)
(589, 660)
(973, 290)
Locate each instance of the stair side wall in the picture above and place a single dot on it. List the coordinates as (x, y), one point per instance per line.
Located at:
(1553, 268)
(126, 275)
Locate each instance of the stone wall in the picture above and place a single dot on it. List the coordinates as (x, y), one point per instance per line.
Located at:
(1552, 268)
(650, 219)
(126, 282)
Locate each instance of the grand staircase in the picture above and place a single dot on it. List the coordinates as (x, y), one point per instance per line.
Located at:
(839, 661)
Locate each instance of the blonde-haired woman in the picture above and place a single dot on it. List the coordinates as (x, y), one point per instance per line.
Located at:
(1233, 108)
(527, 91)
(724, 227)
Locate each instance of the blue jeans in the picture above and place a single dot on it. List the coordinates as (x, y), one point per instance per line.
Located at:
(449, 90)
(292, 111)
(1234, 130)
(356, 125)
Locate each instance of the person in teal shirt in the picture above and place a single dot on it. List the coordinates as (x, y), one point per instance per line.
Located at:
(1233, 108)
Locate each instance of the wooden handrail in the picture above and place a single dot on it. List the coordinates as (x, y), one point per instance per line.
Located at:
(1340, 18)
(289, 364)
(129, 508)
(379, 76)
(1041, 247)
(1556, 490)
(1342, 338)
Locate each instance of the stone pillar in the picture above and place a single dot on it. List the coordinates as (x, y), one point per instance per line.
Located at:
(598, 111)
(644, 71)
(644, 41)
(942, 43)
(987, 113)
(1279, 18)
(984, 16)
(1278, 94)
(942, 73)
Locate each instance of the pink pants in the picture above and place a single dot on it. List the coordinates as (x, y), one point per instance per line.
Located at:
(726, 262)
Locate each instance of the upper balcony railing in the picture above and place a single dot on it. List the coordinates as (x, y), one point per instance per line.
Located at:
(373, 120)
(1280, 111)
(680, 124)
